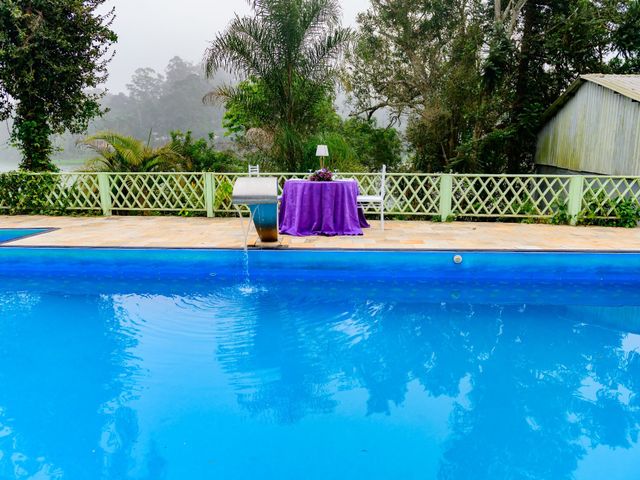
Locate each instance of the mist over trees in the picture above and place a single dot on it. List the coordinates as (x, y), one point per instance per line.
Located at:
(154, 105)
(158, 103)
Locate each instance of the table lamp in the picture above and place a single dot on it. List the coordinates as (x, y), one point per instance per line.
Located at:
(323, 152)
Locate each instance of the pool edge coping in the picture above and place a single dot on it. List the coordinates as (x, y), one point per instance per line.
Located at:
(8, 245)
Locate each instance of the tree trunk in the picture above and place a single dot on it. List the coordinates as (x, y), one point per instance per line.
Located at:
(32, 133)
(523, 82)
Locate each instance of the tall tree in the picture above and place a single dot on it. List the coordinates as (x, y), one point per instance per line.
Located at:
(290, 47)
(421, 58)
(51, 54)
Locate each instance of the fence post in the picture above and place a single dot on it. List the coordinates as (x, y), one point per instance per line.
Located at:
(210, 193)
(576, 188)
(104, 186)
(446, 194)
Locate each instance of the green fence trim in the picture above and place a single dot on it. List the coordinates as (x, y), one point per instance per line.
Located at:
(576, 193)
(446, 196)
(104, 186)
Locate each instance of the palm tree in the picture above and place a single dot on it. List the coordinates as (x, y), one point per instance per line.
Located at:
(121, 153)
(291, 48)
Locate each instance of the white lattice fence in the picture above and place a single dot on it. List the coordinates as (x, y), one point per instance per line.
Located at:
(407, 195)
(175, 192)
(413, 195)
(369, 184)
(224, 188)
(602, 195)
(55, 191)
(508, 196)
(76, 191)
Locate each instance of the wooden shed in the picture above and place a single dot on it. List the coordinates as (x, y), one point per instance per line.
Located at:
(594, 127)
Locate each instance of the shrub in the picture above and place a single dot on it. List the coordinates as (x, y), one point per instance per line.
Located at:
(201, 155)
(561, 215)
(23, 193)
(609, 212)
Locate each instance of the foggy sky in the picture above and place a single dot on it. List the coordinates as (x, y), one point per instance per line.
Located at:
(153, 31)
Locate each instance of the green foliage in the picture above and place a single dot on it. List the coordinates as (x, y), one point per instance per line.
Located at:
(627, 213)
(26, 194)
(342, 155)
(561, 215)
(289, 48)
(224, 191)
(121, 153)
(247, 108)
(201, 155)
(420, 59)
(51, 54)
(475, 80)
(373, 146)
(609, 212)
(601, 210)
(626, 39)
(161, 103)
(528, 209)
(355, 145)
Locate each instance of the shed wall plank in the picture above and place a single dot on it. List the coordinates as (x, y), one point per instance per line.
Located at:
(597, 131)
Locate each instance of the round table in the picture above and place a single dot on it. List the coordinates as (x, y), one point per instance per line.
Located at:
(321, 208)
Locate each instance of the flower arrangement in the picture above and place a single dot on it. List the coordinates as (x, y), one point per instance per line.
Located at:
(322, 175)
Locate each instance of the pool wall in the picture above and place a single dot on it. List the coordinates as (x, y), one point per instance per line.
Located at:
(516, 266)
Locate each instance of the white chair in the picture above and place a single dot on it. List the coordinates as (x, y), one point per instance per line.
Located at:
(364, 200)
(254, 170)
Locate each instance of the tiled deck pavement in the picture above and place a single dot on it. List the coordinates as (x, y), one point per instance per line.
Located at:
(179, 232)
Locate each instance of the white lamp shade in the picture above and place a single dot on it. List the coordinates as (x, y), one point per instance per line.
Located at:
(322, 151)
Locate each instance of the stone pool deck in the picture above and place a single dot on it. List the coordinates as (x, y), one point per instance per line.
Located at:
(177, 232)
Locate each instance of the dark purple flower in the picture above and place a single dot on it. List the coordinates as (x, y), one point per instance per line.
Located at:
(322, 175)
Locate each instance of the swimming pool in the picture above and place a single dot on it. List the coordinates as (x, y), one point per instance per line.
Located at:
(157, 364)
(9, 234)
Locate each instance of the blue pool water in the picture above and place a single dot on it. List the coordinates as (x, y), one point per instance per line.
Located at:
(306, 365)
(8, 234)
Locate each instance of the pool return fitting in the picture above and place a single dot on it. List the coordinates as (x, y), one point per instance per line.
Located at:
(260, 194)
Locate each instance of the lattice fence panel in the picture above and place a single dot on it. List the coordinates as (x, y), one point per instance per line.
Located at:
(76, 191)
(413, 194)
(602, 195)
(224, 187)
(483, 196)
(175, 192)
(508, 196)
(368, 184)
(51, 192)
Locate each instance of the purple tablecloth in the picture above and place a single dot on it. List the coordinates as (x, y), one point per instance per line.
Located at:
(321, 208)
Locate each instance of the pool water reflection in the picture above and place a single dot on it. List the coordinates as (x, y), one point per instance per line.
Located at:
(108, 378)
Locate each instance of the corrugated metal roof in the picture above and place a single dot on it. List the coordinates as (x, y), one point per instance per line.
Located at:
(627, 85)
